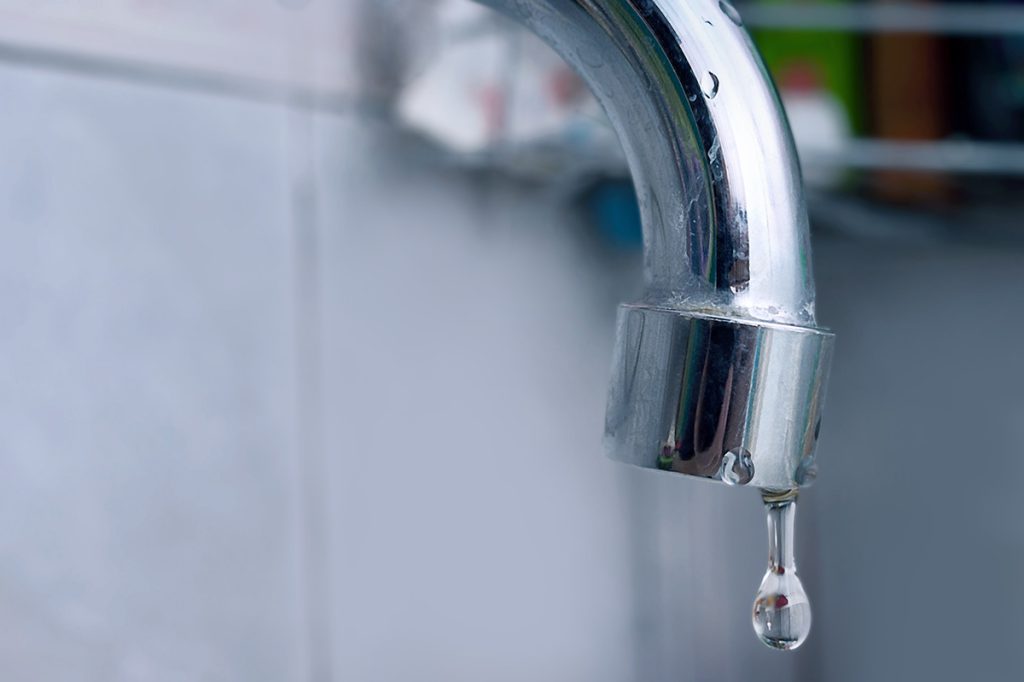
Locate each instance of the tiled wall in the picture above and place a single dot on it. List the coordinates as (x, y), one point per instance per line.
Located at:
(148, 467)
(275, 410)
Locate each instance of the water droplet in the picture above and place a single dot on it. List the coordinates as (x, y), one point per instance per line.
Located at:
(716, 147)
(730, 11)
(737, 467)
(782, 612)
(807, 471)
(709, 84)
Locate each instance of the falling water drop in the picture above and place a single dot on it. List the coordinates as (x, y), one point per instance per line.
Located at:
(709, 84)
(730, 11)
(782, 612)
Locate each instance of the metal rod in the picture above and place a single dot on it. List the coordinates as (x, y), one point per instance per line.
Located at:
(950, 156)
(954, 19)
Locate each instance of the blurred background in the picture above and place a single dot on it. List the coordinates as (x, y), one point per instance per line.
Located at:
(307, 310)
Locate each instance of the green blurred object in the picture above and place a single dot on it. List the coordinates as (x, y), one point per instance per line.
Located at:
(835, 58)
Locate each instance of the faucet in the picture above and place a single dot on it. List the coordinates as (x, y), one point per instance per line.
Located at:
(719, 371)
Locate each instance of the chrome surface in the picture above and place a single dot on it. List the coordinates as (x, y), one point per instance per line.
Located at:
(711, 155)
(730, 400)
(726, 367)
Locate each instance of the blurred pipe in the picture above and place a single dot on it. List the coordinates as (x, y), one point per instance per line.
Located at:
(944, 157)
(958, 19)
(176, 77)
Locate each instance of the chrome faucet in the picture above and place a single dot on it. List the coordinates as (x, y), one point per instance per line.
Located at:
(720, 370)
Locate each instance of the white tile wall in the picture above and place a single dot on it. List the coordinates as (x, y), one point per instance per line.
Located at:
(478, 529)
(148, 521)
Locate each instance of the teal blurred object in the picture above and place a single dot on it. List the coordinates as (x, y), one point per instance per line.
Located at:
(612, 207)
(989, 74)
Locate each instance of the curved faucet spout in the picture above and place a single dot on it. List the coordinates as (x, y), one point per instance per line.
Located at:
(711, 155)
(720, 370)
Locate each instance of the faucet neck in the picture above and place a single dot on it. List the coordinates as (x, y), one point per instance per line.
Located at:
(711, 154)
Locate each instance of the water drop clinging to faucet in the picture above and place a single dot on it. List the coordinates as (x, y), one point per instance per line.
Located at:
(737, 467)
(709, 85)
(731, 12)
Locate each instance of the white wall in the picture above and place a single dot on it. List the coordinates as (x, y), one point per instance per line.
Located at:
(164, 487)
(148, 487)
